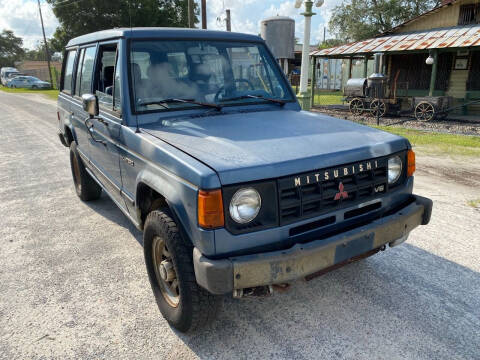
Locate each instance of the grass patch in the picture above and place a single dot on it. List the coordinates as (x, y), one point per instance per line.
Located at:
(52, 94)
(438, 143)
(474, 203)
(323, 98)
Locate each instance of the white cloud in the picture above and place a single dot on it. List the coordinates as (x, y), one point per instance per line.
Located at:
(22, 17)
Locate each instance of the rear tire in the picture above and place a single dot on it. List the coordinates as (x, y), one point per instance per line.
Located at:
(86, 188)
(169, 261)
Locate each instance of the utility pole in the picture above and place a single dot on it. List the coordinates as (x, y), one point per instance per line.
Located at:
(204, 14)
(324, 34)
(191, 14)
(228, 21)
(46, 44)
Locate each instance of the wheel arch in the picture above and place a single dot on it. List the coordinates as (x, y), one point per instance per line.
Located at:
(154, 191)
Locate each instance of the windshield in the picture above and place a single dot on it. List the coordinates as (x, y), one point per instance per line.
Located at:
(206, 72)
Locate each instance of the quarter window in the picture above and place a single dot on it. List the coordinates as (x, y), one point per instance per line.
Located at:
(67, 78)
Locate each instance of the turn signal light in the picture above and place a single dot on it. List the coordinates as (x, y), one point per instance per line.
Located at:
(410, 163)
(210, 209)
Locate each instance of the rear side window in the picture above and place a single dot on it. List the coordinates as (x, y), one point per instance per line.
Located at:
(67, 78)
(87, 71)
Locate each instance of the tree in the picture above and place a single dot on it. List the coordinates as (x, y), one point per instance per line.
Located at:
(362, 19)
(328, 43)
(78, 17)
(10, 48)
(39, 53)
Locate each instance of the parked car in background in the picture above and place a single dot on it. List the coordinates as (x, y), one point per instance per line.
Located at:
(6, 73)
(28, 82)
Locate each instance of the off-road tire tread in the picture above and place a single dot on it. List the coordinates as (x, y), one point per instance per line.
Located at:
(204, 305)
(90, 190)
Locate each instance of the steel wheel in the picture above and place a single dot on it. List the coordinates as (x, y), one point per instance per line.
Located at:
(424, 111)
(165, 272)
(378, 108)
(357, 107)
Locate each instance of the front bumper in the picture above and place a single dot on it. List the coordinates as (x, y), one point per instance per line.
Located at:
(225, 275)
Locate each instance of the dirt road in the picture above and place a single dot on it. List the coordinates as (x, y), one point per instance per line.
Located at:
(73, 283)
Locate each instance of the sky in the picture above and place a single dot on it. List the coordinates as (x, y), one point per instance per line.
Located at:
(22, 17)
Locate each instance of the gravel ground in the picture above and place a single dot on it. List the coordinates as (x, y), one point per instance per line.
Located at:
(451, 126)
(73, 283)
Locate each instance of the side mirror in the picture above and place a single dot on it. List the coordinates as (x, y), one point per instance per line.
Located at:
(90, 104)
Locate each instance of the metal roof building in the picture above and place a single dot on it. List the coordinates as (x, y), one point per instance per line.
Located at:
(449, 33)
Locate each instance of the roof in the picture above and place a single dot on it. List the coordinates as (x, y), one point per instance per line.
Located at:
(453, 37)
(164, 33)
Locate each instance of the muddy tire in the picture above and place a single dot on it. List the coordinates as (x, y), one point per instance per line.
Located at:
(86, 188)
(169, 261)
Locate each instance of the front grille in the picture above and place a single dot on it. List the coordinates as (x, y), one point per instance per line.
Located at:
(312, 194)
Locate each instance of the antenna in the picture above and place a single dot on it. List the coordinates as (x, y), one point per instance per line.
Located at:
(130, 65)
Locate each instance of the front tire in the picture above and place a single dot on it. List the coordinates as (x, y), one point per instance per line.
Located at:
(169, 261)
(86, 188)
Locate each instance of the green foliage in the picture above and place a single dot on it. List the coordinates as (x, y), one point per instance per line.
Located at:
(355, 20)
(39, 54)
(328, 43)
(10, 48)
(78, 17)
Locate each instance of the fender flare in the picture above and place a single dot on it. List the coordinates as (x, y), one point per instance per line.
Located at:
(165, 188)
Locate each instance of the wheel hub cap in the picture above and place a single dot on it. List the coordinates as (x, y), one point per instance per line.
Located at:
(166, 270)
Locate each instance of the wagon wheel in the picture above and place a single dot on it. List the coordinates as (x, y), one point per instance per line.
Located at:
(357, 107)
(424, 111)
(378, 107)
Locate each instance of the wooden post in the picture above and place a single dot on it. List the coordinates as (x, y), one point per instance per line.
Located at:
(350, 65)
(191, 14)
(433, 78)
(47, 53)
(365, 66)
(229, 20)
(204, 14)
(314, 80)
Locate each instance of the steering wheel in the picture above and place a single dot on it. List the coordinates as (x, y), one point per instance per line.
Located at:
(222, 88)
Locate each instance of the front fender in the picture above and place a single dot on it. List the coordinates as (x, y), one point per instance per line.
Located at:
(181, 197)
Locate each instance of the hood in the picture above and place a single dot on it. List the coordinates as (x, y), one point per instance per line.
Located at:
(243, 147)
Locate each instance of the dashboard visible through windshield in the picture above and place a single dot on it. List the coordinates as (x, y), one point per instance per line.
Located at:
(170, 75)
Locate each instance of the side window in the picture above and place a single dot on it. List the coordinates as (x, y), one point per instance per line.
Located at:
(79, 72)
(68, 72)
(105, 74)
(87, 71)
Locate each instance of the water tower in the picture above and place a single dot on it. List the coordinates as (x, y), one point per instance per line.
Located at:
(279, 34)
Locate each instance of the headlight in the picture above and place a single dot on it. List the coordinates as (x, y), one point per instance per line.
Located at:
(245, 205)
(394, 169)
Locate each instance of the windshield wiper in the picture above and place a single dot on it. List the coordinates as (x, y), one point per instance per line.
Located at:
(174, 100)
(276, 101)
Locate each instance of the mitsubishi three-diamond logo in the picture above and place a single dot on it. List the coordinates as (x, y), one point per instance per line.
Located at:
(342, 194)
